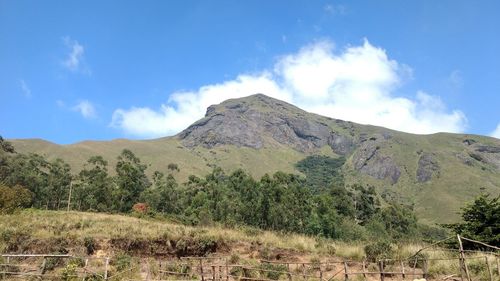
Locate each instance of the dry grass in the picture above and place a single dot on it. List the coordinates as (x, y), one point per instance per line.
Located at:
(57, 226)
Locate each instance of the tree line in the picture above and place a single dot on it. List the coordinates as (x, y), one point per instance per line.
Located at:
(318, 204)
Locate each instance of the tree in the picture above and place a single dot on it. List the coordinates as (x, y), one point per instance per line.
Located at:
(366, 203)
(94, 188)
(399, 221)
(481, 221)
(173, 167)
(14, 198)
(59, 180)
(163, 196)
(6, 146)
(30, 171)
(131, 180)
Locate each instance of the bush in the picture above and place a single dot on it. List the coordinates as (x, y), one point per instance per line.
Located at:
(90, 245)
(379, 250)
(69, 273)
(273, 274)
(140, 208)
(13, 198)
(122, 261)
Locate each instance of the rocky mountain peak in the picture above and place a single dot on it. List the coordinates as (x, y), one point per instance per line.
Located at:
(257, 121)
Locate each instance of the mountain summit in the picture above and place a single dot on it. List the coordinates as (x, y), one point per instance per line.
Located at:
(257, 121)
(435, 173)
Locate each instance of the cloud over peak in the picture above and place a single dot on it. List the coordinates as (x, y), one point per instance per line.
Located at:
(357, 83)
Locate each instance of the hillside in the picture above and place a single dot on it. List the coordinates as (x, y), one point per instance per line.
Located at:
(436, 173)
(140, 248)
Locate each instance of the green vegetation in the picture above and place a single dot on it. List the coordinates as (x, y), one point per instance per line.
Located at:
(481, 221)
(280, 202)
(321, 171)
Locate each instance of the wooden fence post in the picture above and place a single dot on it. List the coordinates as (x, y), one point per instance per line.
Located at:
(304, 271)
(106, 269)
(415, 266)
(425, 269)
(320, 273)
(462, 258)
(220, 272)
(213, 273)
(346, 272)
(201, 270)
(402, 269)
(364, 269)
(227, 271)
(381, 268)
(498, 267)
(6, 268)
(489, 268)
(42, 268)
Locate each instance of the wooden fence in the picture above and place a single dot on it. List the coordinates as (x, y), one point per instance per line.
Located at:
(221, 269)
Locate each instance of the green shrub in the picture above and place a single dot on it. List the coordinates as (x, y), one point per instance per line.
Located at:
(90, 245)
(122, 261)
(379, 250)
(276, 270)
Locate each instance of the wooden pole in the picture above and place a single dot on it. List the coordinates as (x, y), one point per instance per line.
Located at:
(69, 196)
(106, 269)
(201, 270)
(304, 271)
(415, 266)
(498, 267)
(381, 268)
(489, 268)
(402, 269)
(7, 267)
(227, 271)
(346, 272)
(364, 269)
(320, 273)
(85, 267)
(42, 268)
(462, 258)
(425, 269)
(213, 273)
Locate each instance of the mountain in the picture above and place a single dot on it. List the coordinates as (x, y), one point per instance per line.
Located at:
(436, 173)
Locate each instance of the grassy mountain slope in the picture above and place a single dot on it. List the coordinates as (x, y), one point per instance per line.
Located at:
(437, 173)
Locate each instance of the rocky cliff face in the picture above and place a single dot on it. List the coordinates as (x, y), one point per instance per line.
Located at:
(258, 121)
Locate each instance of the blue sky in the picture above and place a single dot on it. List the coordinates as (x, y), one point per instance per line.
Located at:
(79, 70)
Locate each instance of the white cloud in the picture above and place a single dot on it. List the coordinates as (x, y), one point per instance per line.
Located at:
(183, 108)
(85, 108)
(25, 89)
(455, 80)
(357, 84)
(74, 61)
(496, 132)
(335, 9)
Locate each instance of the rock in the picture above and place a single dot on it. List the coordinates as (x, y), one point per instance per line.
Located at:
(259, 120)
(341, 144)
(487, 149)
(427, 166)
(469, 141)
(368, 160)
(485, 154)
